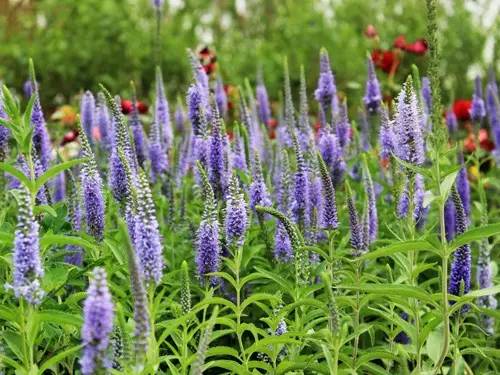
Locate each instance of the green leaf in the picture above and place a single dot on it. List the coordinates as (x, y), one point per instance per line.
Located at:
(232, 366)
(483, 292)
(475, 234)
(11, 363)
(393, 290)
(61, 239)
(54, 360)
(19, 175)
(55, 170)
(435, 343)
(14, 342)
(60, 318)
(37, 210)
(54, 278)
(396, 248)
(447, 183)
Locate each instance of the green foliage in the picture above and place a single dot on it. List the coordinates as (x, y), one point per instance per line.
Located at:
(112, 41)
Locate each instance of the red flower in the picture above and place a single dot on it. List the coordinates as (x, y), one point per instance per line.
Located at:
(419, 47)
(370, 31)
(142, 107)
(69, 137)
(461, 108)
(126, 106)
(209, 68)
(272, 123)
(400, 42)
(385, 60)
(484, 140)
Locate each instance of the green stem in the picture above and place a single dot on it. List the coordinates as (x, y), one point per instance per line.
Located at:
(356, 315)
(444, 277)
(238, 304)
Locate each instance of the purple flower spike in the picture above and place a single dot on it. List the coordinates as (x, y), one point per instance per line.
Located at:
(87, 110)
(180, 117)
(221, 97)
(463, 186)
(91, 185)
(372, 205)
(137, 131)
(41, 139)
(408, 130)
(59, 188)
(26, 260)
(4, 132)
(97, 325)
(157, 4)
(147, 239)
(238, 158)
(358, 242)
(485, 280)
(207, 237)
(451, 121)
(103, 121)
(217, 155)
(300, 192)
(427, 95)
(162, 114)
(328, 216)
(460, 273)
(373, 95)
(386, 136)
(449, 219)
(262, 102)
(236, 214)
(306, 137)
(259, 195)
(326, 90)
(343, 126)
(478, 110)
(283, 251)
(159, 161)
(195, 104)
(28, 88)
(289, 108)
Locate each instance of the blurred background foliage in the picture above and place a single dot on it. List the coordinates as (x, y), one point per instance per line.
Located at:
(77, 44)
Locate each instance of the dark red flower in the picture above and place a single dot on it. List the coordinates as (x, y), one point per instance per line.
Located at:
(400, 42)
(272, 134)
(209, 68)
(272, 123)
(461, 108)
(126, 106)
(484, 140)
(419, 47)
(385, 60)
(205, 51)
(142, 107)
(69, 137)
(370, 31)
